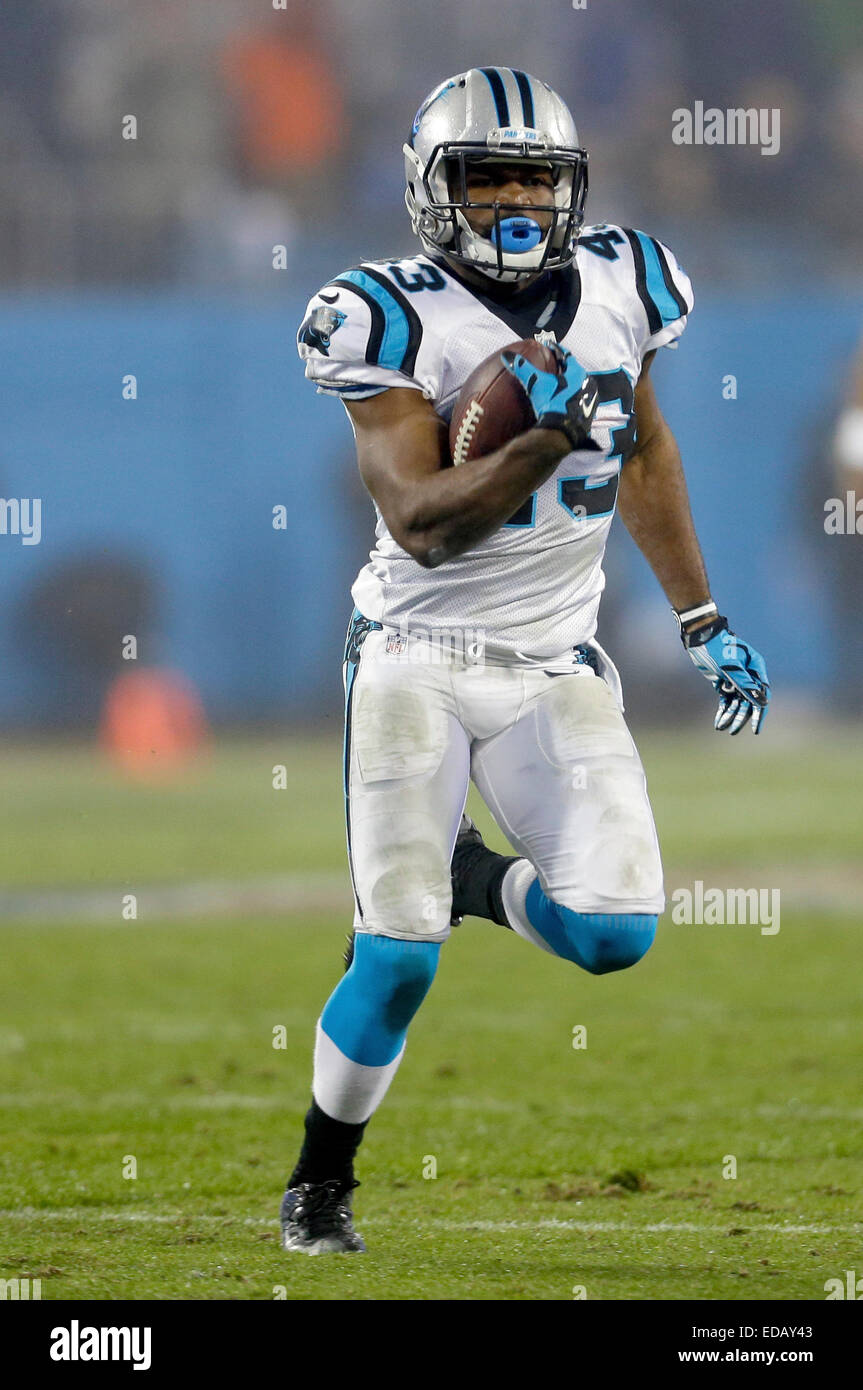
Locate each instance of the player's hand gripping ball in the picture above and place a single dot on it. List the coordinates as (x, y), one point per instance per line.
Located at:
(564, 398)
(497, 402)
(492, 406)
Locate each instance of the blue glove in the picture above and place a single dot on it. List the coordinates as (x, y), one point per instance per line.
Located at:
(735, 670)
(564, 400)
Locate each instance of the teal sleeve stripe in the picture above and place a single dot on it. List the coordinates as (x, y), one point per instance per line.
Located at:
(659, 292)
(392, 350)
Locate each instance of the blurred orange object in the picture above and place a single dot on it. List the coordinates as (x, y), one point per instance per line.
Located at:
(153, 723)
(289, 104)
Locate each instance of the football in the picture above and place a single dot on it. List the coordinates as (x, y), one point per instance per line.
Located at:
(492, 406)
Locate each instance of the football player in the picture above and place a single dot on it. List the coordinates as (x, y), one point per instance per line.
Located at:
(504, 552)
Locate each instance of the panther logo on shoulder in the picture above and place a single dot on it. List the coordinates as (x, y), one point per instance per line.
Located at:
(319, 327)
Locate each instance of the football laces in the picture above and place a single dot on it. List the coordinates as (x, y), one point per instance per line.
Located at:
(466, 431)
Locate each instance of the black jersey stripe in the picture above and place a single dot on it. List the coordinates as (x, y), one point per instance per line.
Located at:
(379, 323)
(567, 305)
(499, 93)
(415, 328)
(654, 317)
(526, 95)
(669, 278)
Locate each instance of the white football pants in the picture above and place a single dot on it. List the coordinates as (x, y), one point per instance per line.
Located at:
(550, 754)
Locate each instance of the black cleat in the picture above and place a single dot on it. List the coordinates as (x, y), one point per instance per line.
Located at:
(477, 876)
(316, 1219)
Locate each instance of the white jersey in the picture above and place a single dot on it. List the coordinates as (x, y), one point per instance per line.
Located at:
(532, 589)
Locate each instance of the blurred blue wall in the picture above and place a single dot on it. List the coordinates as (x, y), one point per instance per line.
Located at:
(225, 428)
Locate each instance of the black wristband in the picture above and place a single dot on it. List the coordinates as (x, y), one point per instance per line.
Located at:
(703, 634)
(578, 437)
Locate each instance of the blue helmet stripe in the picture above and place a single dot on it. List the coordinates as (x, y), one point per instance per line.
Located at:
(495, 81)
(526, 94)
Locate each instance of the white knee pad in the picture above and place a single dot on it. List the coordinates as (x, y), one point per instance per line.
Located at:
(404, 884)
(614, 860)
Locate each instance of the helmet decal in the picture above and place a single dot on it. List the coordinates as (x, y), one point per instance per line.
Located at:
(438, 92)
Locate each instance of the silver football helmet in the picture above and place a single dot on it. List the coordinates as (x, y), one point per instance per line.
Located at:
(495, 114)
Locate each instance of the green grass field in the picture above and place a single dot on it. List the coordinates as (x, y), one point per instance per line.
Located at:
(558, 1168)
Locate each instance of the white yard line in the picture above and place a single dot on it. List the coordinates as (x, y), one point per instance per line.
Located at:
(84, 1214)
(635, 1228)
(816, 887)
(285, 894)
(239, 1100)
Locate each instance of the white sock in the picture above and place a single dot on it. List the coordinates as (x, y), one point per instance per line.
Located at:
(513, 893)
(347, 1090)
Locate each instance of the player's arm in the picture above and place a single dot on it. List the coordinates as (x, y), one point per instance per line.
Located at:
(654, 504)
(432, 510)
